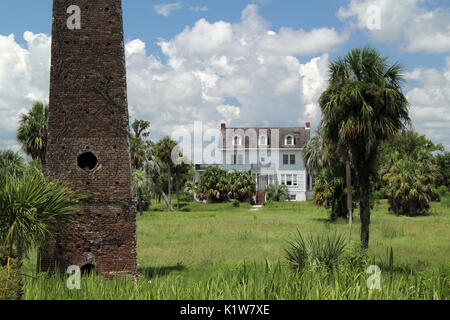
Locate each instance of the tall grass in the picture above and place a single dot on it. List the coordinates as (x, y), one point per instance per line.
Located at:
(268, 281)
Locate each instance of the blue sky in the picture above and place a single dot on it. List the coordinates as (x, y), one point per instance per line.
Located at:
(257, 63)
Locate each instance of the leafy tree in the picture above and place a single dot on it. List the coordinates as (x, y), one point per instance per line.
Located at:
(363, 106)
(163, 151)
(152, 167)
(329, 187)
(138, 144)
(242, 185)
(276, 192)
(190, 189)
(409, 186)
(443, 163)
(314, 154)
(213, 184)
(330, 191)
(32, 131)
(407, 144)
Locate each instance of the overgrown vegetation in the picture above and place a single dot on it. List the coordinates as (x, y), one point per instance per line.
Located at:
(219, 185)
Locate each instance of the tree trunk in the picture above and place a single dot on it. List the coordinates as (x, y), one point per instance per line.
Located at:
(177, 185)
(348, 174)
(169, 206)
(169, 183)
(140, 205)
(364, 214)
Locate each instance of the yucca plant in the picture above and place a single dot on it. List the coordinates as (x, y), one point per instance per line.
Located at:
(315, 252)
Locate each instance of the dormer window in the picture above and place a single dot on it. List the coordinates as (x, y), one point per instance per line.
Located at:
(237, 140)
(263, 140)
(289, 140)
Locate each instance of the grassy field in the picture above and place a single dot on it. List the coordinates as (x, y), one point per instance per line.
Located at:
(216, 251)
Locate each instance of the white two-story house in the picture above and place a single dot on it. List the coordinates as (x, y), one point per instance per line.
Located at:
(271, 155)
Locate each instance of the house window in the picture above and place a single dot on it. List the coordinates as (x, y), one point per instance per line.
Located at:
(292, 159)
(293, 197)
(289, 180)
(289, 140)
(295, 180)
(263, 140)
(240, 159)
(237, 159)
(283, 179)
(237, 141)
(285, 159)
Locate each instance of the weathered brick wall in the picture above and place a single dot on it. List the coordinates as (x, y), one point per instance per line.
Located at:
(84, 120)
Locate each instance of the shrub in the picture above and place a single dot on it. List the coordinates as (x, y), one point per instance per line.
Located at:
(236, 203)
(276, 192)
(219, 185)
(322, 251)
(410, 186)
(268, 203)
(379, 194)
(10, 277)
(442, 191)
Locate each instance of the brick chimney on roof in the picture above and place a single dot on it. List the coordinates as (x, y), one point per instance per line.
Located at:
(223, 126)
(308, 125)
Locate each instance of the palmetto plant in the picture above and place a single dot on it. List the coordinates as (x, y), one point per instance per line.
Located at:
(32, 209)
(276, 192)
(409, 186)
(32, 131)
(362, 107)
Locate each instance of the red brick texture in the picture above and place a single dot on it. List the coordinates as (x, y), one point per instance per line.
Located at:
(89, 113)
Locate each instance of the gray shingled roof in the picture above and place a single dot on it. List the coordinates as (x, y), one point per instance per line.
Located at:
(301, 136)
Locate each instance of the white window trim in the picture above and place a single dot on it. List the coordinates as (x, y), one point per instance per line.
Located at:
(264, 141)
(239, 140)
(286, 140)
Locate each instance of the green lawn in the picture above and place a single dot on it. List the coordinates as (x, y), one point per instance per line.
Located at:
(179, 250)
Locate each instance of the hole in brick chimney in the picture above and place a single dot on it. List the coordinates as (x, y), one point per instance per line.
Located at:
(87, 161)
(109, 43)
(117, 183)
(88, 269)
(114, 147)
(106, 9)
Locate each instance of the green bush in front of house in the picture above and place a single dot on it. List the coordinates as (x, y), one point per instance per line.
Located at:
(10, 277)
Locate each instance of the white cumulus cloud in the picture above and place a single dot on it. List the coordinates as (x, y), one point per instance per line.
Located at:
(408, 23)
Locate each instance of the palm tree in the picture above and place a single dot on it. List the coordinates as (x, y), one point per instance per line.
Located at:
(11, 163)
(141, 186)
(363, 106)
(32, 208)
(163, 151)
(32, 131)
(152, 168)
(314, 154)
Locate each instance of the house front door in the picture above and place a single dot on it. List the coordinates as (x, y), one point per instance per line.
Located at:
(260, 197)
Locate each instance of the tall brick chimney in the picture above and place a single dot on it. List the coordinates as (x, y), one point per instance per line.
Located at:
(223, 126)
(308, 125)
(88, 136)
